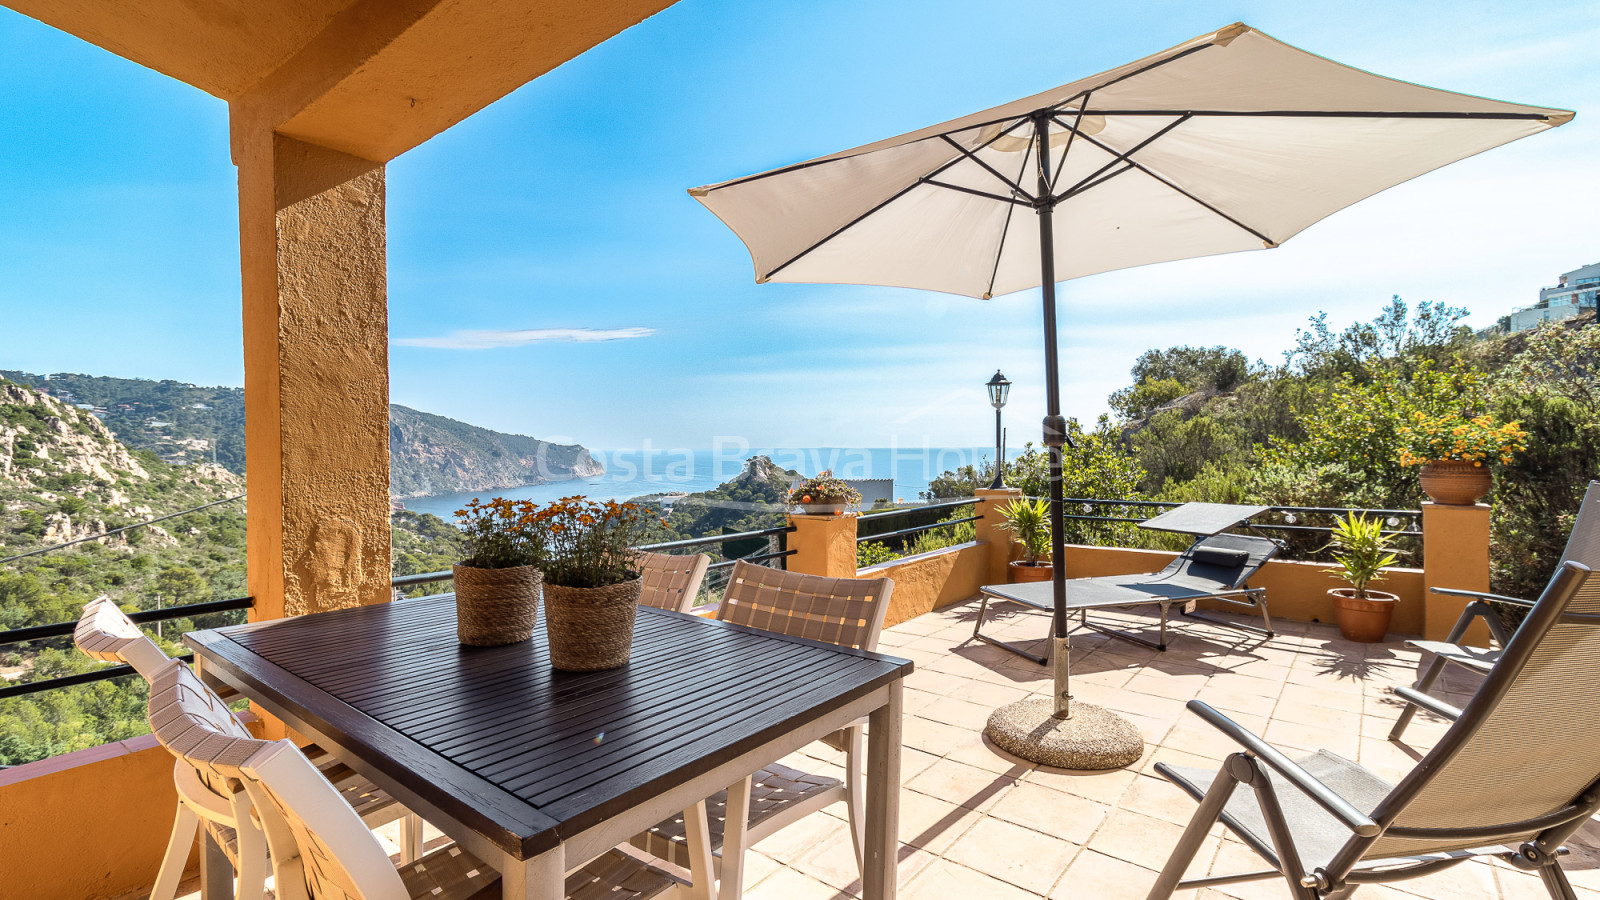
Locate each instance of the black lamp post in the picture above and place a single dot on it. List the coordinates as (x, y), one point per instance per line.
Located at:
(999, 388)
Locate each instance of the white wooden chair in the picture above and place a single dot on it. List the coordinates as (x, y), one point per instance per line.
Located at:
(671, 582)
(105, 633)
(847, 612)
(321, 850)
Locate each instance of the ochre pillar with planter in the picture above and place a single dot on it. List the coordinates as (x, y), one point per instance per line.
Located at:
(823, 545)
(1455, 549)
(312, 249)
(989, 532)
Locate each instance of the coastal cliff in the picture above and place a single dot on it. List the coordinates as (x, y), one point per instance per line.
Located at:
(183, 424)
(431, 454)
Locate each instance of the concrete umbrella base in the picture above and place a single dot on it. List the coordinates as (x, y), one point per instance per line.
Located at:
(1092, 739)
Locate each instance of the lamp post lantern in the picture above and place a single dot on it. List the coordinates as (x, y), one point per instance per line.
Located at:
(999, 387)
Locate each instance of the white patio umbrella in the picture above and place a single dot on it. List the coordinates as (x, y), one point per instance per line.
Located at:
(1232, 141)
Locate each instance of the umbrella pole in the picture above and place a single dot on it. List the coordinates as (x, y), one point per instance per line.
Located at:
(1055, 426)
(1059, 733)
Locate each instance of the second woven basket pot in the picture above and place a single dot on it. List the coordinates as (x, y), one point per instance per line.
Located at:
(590, 628)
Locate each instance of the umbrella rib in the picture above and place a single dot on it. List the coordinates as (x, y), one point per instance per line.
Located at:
(1072, 134)
(986, 167)
(1324, 113)
(848, 225)
(1005, 228)
(896, 196)
(1124, 156)
(1212, 209)
(1011, 118)
(1081, 188)
(977, 193)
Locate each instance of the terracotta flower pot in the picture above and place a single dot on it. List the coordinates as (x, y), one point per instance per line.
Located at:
(1363, 619)
(1022, 573)
(823, 509)
(1455, 482)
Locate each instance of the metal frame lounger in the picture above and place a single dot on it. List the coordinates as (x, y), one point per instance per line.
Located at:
(1583, 546)
(1215, 567)
(1514, 777)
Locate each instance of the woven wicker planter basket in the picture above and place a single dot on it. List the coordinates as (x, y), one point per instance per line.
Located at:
(496, 606)
(590, 628)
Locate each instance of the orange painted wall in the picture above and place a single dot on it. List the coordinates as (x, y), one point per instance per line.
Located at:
(86, 825)
(1295, 590)
(930, 580)
(823, 545)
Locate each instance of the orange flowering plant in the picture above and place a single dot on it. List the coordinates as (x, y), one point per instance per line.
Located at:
(501, 533)
(590, 543)
(824, 488)
(1453, 436)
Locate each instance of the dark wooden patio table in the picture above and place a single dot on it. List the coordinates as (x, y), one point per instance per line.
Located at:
(538, 771)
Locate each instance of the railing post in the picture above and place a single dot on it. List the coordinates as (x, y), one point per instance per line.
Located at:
(823, 545)
(1455, 554)
(988, 505)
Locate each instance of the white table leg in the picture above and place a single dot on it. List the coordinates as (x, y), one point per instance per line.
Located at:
(542, 878)
(730, 884)
(702, 868)
(882, 844)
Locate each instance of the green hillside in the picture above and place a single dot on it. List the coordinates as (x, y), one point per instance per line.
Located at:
(429, 454)
(63, 477)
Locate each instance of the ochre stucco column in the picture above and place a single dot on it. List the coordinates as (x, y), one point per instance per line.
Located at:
(823, 545)
(1000, 542)
(312, 250)
(1455, 550)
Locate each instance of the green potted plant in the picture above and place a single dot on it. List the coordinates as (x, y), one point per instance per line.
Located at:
(1029, 521)
(591, 580)
(1362, 551)
(1454, 450)
(497, 580)
(824, 495)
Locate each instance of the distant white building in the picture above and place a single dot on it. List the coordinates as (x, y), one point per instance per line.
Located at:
(1577, 291)
(873, 490)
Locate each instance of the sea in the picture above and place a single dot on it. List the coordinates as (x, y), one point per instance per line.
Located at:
(636, 472)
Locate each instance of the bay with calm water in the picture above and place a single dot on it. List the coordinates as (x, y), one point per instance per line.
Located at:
(632, 473)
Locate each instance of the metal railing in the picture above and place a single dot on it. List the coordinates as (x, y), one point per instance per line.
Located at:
(1290, 513)
(404, 581)
(916, 529)
(65, 629)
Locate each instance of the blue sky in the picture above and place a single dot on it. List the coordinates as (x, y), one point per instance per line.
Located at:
(561, 210)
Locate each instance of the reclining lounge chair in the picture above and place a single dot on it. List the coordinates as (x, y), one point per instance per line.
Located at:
(1215, 567)
(1583, 546)
(1515, 777)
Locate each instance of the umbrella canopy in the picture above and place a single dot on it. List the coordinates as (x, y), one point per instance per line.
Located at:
(1232, 141)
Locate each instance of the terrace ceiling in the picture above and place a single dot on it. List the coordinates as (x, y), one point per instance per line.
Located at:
(372, 78)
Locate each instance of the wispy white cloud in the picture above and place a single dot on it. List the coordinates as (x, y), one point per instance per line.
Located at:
(491, 339)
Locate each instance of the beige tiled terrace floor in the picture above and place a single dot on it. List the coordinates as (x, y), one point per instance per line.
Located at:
(978, 824)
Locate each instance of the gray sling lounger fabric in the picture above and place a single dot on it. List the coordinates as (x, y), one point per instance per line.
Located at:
(1214, 567)
(1583, 546)
(1515, 777)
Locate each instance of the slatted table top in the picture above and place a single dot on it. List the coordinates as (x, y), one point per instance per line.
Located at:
(524, 754)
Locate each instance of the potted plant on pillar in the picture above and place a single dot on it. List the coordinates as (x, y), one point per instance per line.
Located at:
(1029, 521)
(591, 580)
(824, 495)
(1454, 453)
(497, 582)
(1362, 551)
